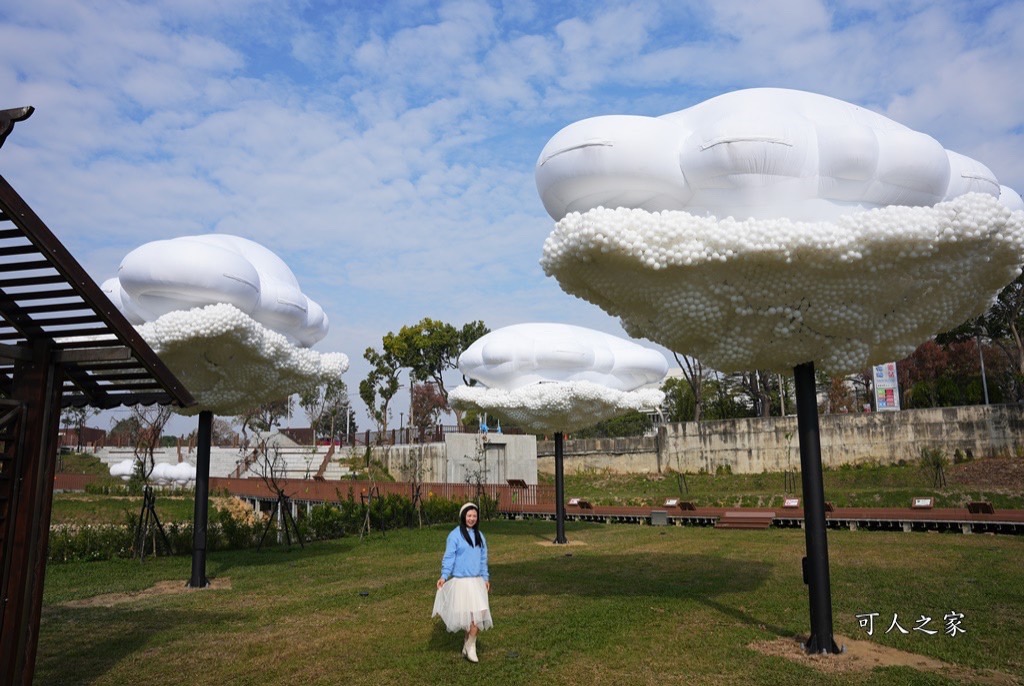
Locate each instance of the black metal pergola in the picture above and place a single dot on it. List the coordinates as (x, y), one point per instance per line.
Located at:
(62, 343)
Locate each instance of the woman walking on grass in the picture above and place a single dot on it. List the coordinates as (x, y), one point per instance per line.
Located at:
(461, 599)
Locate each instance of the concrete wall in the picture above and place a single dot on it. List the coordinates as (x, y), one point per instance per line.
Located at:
(757, 445)
(462, 456)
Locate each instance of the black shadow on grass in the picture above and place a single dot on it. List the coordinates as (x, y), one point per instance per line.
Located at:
(105, 636)
(219, 562)
(700, 578)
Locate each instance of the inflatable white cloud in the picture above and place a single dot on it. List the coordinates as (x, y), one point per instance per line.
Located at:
(194, 271)
(163, 473)
(861, 284)
(229, 362)
(526, 354)
(123, 469)
(227, 316)
(558, 377)
(763, 152)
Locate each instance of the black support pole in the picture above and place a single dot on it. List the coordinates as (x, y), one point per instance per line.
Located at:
(559, 491)
(815, 565)
(199, 579)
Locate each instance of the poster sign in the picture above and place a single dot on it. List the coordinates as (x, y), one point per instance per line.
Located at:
(887, 392)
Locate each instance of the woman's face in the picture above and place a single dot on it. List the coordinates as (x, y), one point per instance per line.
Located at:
(470, 518)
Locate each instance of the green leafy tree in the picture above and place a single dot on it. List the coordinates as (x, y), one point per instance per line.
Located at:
(631, 423)
(430, 348)
(379, 387)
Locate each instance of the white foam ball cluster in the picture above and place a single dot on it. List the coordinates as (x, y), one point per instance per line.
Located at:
(774, 293)
(557, 406)
(230, 362)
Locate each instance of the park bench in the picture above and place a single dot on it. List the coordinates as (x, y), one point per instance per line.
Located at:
(737, 519)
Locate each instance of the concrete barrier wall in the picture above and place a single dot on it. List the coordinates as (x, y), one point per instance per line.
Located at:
(758, 445)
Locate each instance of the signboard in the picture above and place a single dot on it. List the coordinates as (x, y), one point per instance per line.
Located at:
(887, 392)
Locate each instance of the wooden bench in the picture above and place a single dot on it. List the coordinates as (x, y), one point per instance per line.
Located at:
(735, 519)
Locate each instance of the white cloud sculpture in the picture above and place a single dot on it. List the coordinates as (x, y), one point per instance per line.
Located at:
(853, 284)
(164, 473)
(194, 271)
(227, 316)
(557, 377)
(763, 153)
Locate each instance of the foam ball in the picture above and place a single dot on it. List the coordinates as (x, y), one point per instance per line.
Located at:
(863, 289)
(230, 362)
(557, 406)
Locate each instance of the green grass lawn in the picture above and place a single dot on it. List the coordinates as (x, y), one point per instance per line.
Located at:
(623, 604)
(863, 486)
(86, 508)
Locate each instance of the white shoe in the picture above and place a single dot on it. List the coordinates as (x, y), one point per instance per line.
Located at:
(469, 649)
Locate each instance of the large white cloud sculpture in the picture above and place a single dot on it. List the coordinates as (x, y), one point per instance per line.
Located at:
(227, 316)
(194, 271)
(859, 284)
(762, 152)
(557, 377)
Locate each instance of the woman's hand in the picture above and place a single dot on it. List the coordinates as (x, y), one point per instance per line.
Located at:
(488, 585)
(440, 583)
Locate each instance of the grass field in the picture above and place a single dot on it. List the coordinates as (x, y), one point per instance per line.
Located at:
(622, 604)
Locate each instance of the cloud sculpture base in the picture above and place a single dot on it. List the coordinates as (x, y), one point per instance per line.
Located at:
(772, 294)
(557, 406)
(230, 362)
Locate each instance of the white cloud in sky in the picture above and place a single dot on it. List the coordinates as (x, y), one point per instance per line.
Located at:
(386, 150)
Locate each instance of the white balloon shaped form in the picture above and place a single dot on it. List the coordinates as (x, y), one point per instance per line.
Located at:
(525, 354)
(761, 153)
(194, 271)
(123, 470)
(558, 377)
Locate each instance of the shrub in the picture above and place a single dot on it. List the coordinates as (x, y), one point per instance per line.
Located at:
(326, 521)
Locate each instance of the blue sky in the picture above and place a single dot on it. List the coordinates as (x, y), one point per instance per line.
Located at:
(386, 150)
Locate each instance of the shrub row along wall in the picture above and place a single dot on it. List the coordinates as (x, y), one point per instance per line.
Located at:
(757, 445)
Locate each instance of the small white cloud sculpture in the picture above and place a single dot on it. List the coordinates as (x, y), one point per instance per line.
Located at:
(194, 271)
(761, 152)
(525, 354)
(772, 294)
(164, 473)
(230, 362)
(547, 377)
(123, 469)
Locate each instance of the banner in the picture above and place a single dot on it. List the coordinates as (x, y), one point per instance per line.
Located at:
(887, 392)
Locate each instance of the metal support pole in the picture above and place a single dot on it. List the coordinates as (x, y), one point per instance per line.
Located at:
(981, 359)
(199, 579)
(815, 565)
(559, 491)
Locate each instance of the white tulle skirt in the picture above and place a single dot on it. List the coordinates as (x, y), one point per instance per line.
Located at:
(463, 601)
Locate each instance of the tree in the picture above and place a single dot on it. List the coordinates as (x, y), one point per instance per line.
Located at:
(426, 407)
(74, 418)
(380, 386)
(631, 423)
(326, 405)
(693, 372)
(679, 403)
(1003, 325)
(430, 348)
(261, 419)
